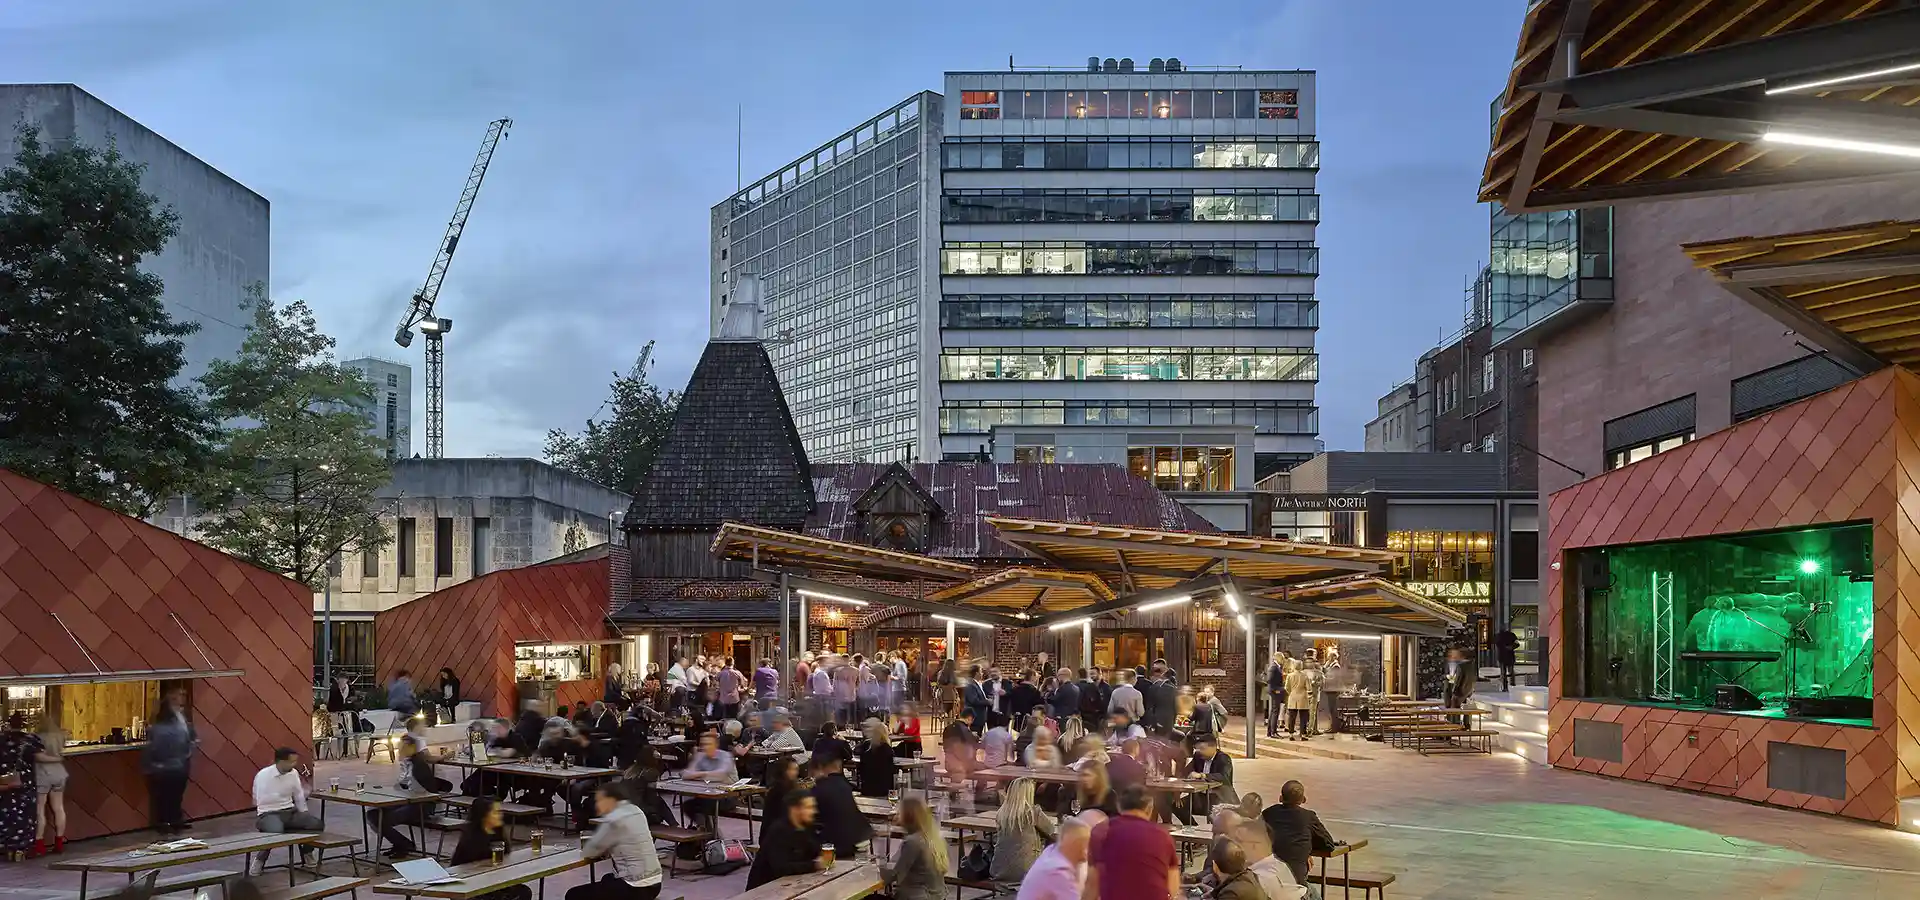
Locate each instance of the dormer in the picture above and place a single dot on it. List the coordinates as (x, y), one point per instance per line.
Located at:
(896, 513)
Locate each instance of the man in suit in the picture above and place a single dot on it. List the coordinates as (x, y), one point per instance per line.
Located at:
(1276, 694)
(1296, 830)
(1159, 698)
(1461, 675)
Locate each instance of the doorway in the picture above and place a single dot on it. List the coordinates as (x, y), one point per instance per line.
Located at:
(923, 652)
(1127, 649)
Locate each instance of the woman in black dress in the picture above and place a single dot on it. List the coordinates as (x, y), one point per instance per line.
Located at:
(18, 791)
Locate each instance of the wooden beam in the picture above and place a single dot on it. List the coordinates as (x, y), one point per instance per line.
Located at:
(878, 598)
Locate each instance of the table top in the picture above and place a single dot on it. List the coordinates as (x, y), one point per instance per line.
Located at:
(217, 848)
(1200, 834)
(845, 880)
(974, 823)
(876, 806)
(378, 796)
(1057, 776)
(571, 773)
(1180, 785)
(705, 789)
(672, 740)
(772, 752)
(483, 877)
(464, 763)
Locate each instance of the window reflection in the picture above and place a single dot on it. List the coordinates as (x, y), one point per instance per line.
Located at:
(1265, 416)
(1005, 206)
(1130, 258)
(1120, 154)
(1128, 364)
(1148, 104)
(1183, 468)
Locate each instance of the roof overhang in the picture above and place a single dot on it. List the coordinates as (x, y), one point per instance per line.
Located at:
(1617, 100)
(1854, 291)
(1138, 559)
(769, 548)
(115, 677)
(831, 592)
(1367, 604)
(1028, 591)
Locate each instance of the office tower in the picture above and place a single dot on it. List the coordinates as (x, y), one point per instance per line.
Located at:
(390, 417)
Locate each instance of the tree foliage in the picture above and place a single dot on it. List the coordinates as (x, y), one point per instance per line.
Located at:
(619, 451)
(88, 356)
(294, 485)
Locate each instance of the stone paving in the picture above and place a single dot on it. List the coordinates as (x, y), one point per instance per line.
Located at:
(1450, 827)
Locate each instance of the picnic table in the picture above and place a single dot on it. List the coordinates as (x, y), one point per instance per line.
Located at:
(844, 880)
(483, 877)
(707, 790)
(1202, 835)
(985, 824)
(1047, 776)
(376, 797)
(137, 860)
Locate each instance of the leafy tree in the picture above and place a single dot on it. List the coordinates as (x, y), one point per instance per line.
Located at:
(294, 486)
(88, 355)
(619, 451)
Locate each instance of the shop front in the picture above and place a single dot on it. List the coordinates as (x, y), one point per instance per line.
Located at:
(1727, 616)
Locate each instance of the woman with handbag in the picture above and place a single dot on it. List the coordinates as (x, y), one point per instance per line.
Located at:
(18, 793)
(1022, 830)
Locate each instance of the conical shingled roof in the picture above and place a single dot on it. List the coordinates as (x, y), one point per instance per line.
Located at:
(733, 454)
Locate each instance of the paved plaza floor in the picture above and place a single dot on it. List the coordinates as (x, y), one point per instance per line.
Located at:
(1470, 828)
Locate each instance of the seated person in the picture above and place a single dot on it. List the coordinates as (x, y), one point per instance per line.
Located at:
(710, 764)
(1296, 831)
(788, 845)
(1125, 768)
(1208, 762)
(1121, 728)
(876, 761)
(841, 823)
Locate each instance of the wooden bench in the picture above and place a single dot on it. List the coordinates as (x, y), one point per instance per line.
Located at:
(321, 843)
(1465, 741)
(1365, 881)
(991, 888)
(676, 837)
(192, 881)
(314, 890)
(444, 825)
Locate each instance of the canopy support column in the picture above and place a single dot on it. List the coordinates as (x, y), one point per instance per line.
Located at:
(1251, 701)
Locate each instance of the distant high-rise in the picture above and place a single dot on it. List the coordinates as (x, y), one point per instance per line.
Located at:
(223, 243)
(1052, 260)
(390, 417)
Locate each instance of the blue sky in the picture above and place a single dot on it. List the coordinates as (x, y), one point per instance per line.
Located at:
(357, 120)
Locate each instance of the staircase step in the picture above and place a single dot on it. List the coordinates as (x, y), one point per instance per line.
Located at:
(1528, 745)
(1532, 695)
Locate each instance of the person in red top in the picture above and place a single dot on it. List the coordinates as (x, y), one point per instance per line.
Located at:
(908, 724)
(1131, 857)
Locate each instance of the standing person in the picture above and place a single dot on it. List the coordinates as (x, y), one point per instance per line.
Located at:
(400, 697)
(1159, 699)
(842, 825)
(1276, 693)
(1296, 831)
(846, 690)
(1299, 701)
(1131, 857)
(943, 685)
(1043, 666)
(340, 707)
(615, 689)
(1506, 646)
(788, 845)
(1022, 698)
(168, 762)
(920, 869)
(1316, 679)
(1060, 871)
(1462, 672)
(280, 800)
(50, 782)
(766, 690)
(1021, 831)
(677, 685)
(1065, 700)
(727, 686)
(1093, 700)
(900, 668)
(18, 788)
(624, 838)
(486, 826)
(975, 700)
(1126, 698)
(447, 694)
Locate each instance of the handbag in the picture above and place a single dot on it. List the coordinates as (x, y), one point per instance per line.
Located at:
(723, 856)
(977, 865)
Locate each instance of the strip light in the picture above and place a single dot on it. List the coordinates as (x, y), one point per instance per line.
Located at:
(1843, 79)
(1339, 636)
(1070, 623)
(1163, 604)
(1247, 623)
(832, 598)
(1233, 603)
(962, 621)
(1829, 143)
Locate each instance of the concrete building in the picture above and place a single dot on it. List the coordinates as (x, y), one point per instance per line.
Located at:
(1117, 247)
(456, 519)
(1392, 430)
(223, 244)
(1476, 396)
(390, 417)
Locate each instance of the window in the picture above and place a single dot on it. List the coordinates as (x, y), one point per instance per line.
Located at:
(369, 563)
(1035, 454)
(1656, 429)
(1129, 364)
(1526, 358)
(482, 544)
(1486, 374)
(1486, 444)
(333, 565)
(1206, 649)
(1000, 206)
(1640, 451)
(1183, 468)
(979, 98)
(1523, 555)
(442, 548)
(834, 640)
(1265, 416)
(1120, 153)
(393, 380)
(1769, 389)
(405, 540)
(1129, 258)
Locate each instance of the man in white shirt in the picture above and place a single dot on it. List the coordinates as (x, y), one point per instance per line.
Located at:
(1060, 872)
(1126, 698)
(677, 683)
(783, 737)
(280, 799)
(997, 744)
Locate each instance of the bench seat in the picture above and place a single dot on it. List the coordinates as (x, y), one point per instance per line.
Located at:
(314, 890)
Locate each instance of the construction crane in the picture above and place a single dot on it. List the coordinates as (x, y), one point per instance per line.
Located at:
(420, 311)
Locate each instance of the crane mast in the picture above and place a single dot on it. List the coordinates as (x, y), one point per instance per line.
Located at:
(420, 311)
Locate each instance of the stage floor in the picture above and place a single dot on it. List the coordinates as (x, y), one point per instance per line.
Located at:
(1772, 712)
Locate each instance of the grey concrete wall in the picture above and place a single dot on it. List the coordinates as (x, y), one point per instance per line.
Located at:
(224, 240)
(502, 477)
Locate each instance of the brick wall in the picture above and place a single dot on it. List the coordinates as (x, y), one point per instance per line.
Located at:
(619, 576)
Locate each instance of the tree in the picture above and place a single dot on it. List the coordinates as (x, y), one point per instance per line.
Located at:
(620, 451)
(294, 487)
(88, 355)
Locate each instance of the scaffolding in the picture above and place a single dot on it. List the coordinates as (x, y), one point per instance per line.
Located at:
(1663, 636)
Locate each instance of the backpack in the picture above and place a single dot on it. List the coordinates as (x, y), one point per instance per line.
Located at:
(721, 857)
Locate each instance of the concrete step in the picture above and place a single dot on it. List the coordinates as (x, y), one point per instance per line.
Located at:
(1532, 695)
(1528, 745)
(1511, 712)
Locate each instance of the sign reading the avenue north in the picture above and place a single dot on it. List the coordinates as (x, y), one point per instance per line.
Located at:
(1461, 592)
(1318, 502)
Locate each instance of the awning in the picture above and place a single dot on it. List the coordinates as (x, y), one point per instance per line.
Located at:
(1136, 559)
(1613, 100)
(1854, 290)
(1367, 604)
(115, 677)
(1028, 590)
(772, 549)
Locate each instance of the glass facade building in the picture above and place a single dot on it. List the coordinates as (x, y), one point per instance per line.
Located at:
(1130, 248)
(842, 240)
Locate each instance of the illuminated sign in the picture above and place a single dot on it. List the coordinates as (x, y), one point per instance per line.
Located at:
(1318, 502)
(1466, 593)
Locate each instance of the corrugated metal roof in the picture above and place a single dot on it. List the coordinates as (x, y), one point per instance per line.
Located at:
(970, 492)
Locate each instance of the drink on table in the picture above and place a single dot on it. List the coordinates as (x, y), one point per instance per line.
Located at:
(535, 839)
(333, 785)
(499, 851)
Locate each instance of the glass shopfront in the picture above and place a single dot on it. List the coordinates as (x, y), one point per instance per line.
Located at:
(1453, 567)
(1785, 615)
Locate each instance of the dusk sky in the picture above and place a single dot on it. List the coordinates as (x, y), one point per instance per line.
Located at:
(358, 119)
